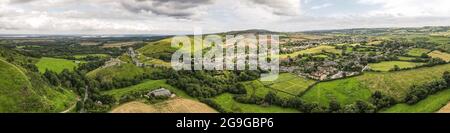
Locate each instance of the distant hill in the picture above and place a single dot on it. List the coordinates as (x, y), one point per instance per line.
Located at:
(252, 31)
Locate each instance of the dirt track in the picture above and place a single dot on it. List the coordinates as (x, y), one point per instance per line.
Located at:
(445, 109)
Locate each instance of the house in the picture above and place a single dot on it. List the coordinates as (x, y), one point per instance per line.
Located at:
(162, 92)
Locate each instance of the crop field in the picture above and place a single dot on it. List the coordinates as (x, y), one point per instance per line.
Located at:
(227, 102)
(55, 64)
(395, 84)
(404, 58)
(145, 86)
(439, 54)
(429, 105)
(417, 52)
(388, 65)
(314, 50)
(176, 105)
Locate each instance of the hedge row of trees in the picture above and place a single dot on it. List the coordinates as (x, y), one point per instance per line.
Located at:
(420, 92)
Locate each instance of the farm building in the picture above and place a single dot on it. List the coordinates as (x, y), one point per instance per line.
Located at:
(162, 92)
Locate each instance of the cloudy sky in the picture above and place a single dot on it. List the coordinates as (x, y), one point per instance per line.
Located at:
(182, 16)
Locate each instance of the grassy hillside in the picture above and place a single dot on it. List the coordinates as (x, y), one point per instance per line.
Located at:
(290, 83)
(56, 65)
(417, 52)
(395, 84)
(227, 102)
(429, 105)
(122, 71)
(439, 54)
(26, 92)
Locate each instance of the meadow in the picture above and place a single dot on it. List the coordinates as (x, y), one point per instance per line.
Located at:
(55, 64)
(290, 83)
(122, 71)
(389, 65)
(145, 86)
(417, 52)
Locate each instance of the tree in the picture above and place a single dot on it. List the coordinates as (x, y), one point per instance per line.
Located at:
(334, 106)
(270, 98)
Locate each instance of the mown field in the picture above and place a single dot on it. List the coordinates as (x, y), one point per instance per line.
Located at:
(429, 105)
(389, 65)
(227, 102)
(395, 84)
(439, 54)
(290, 83)
(314, 50)
(55, 64)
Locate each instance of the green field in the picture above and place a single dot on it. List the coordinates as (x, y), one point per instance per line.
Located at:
(258, 89)
(429, 105)
(395, 84)
(314, 50)
(439, 54)
(55, 64)
(122, 71)
(290, 83)
(417, 52)
(20, 93)
(403, 58)
(145, 86)
(227, 102)
(344, 91)
(388, 65)
(80, 56)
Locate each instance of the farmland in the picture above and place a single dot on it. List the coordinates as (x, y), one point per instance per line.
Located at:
(290, 83)
(314, 50)
(227, 102)
(417, 52)
(176, 105)
(56, 65)
(145, 87)
(441, 55)
(429, 105)
(389, 65)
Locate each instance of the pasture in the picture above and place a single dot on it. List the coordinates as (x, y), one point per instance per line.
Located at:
(290, 83)
(315, 50)
(145, 86)
(429, 105)
(176, 105)
(227, 102)
(55, 64)
(417, 52)
(388, 65)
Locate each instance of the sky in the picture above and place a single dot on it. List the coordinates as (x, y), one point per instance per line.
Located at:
(183, 16)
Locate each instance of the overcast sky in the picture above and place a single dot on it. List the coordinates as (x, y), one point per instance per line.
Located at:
(182, 16)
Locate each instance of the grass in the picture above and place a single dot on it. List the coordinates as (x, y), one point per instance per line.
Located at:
(80, 56)
(227, 102)
(404, 58)
(417, 52)
(145, 86)
(388, 65)
(395, 84)
(344, 91)
(290, 83)
(429, 105)
(314, 50)
(439, 54)
(25, 92)
(122, 71)
(55, 64)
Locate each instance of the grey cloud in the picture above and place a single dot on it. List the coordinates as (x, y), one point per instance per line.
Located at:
(171, 8)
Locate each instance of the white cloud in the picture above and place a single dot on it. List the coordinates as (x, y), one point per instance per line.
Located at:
(321, 6)
(411, 8)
